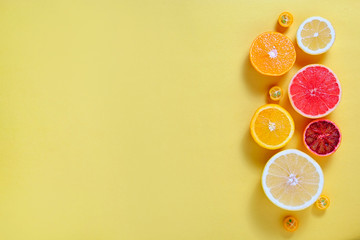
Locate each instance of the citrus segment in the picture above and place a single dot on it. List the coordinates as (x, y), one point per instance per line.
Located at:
(314, 91)
(292, 180)
(322, 137)
(290, 223)
(272, 126)
(272, 53)
(285, 19)
(315, 35)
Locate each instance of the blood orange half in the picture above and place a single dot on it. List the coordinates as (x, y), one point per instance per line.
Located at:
(314, 91)
(322, 137)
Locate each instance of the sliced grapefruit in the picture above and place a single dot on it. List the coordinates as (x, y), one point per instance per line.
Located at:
(292, 180)
(322, 137)
(314, 91)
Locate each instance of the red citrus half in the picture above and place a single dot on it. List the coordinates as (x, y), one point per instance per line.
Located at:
(314, 91)
(322, 137)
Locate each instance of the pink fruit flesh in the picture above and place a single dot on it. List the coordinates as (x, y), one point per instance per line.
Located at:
(322, 137)
(315, 91)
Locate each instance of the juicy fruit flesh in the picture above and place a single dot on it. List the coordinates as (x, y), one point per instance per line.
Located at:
(315, 91)
(292, 180)
(272, 126)
(272, 53)
(322, 137)
(316, 35)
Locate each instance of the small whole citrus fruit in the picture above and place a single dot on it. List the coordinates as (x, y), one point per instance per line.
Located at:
(290, 223)
(275, 93)
(323, 202)
(285, 19)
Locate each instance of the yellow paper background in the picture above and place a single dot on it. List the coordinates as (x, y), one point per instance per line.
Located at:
(129, 120)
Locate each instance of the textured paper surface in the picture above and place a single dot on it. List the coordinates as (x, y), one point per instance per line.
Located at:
(129, 120)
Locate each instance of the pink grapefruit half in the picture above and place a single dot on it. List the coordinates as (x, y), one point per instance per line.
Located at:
(314, 91)
(322, 137)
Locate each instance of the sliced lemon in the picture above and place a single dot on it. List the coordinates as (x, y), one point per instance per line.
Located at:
(315, 35)
(292, 180)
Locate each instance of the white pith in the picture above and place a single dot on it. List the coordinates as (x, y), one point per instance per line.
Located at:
(273, 53)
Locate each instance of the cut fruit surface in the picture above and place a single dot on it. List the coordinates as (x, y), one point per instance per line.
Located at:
(323, 202)
(285, 19)
(272, 53)
(314, 91)
(322, 137)
(315, 35)
(290, 223)
(275, 93)
(292, 180)
(272, 126)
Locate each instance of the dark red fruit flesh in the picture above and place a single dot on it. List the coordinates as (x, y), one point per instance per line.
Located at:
(322, 137)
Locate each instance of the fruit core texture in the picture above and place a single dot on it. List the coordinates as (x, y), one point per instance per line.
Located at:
(272, 126)
(273, 53)
(292, 179)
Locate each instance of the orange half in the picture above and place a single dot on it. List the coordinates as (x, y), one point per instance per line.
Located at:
(272, 126)
(272, 53)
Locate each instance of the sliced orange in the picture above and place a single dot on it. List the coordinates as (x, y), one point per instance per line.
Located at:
(272, 126)
(292, 180)
(272, 53)
(285, 19)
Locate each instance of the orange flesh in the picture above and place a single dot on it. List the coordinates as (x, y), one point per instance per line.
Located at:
(272, 54)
